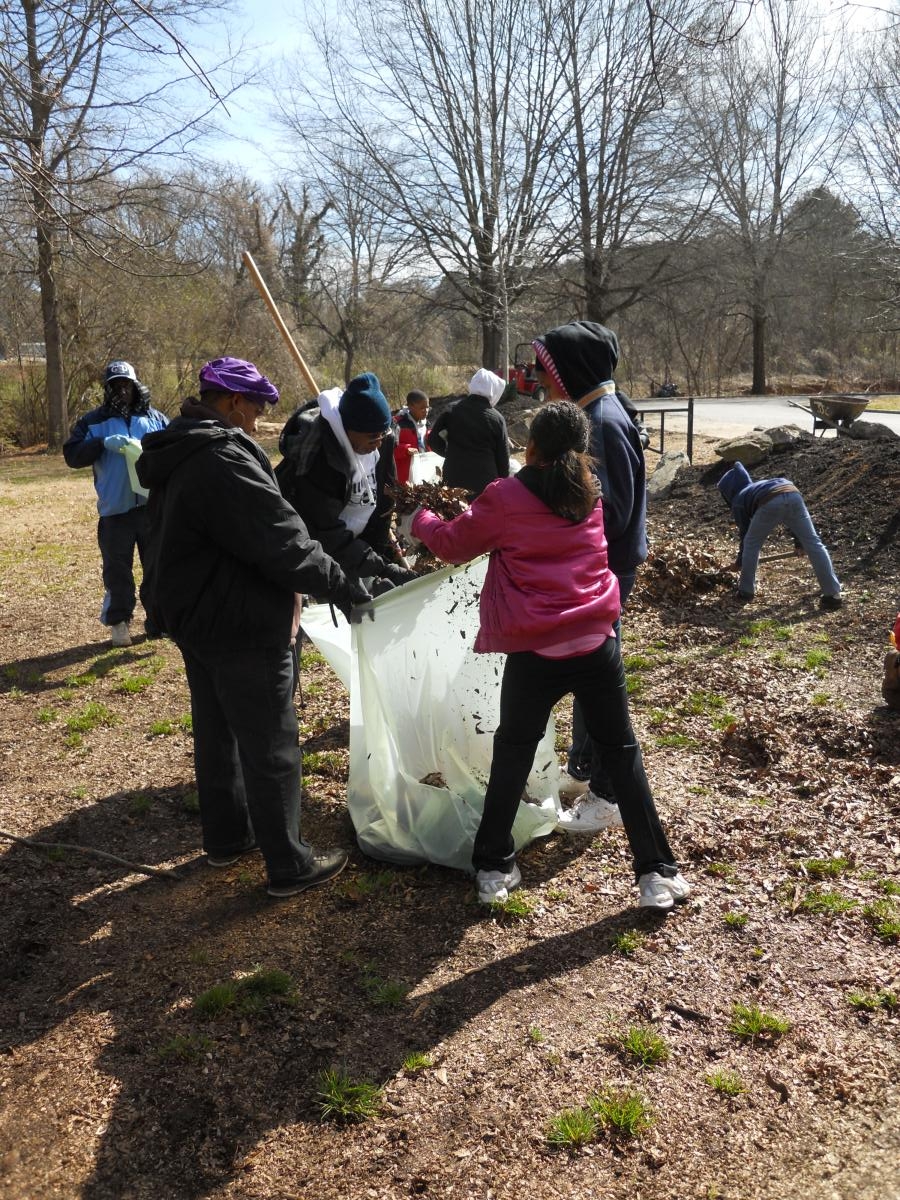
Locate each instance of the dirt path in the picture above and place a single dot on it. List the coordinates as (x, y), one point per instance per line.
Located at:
(778, 774)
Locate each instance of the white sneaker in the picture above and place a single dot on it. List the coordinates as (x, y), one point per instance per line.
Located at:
(569, 786)
(494, 886)
(120, 634)
(659, 891)
(589, 815)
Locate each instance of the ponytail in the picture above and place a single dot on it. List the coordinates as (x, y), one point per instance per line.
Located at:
(560, 433)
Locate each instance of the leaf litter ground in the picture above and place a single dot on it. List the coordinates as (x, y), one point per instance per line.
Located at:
(777, 772)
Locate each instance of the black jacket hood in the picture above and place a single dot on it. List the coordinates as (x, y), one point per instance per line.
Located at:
(179, 441)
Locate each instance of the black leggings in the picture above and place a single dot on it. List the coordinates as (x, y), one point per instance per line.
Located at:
(532, 685)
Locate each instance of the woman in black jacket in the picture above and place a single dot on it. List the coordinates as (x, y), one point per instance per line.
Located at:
(470, 435)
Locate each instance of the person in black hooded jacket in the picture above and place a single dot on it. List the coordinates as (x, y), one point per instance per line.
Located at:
(227, 558)
(577, 362)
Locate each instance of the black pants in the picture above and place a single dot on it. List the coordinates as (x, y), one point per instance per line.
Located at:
(247, 754)
(585, 759)
(117, 537)
(531, 687)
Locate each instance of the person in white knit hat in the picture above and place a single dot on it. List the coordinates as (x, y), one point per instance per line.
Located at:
(470, 435)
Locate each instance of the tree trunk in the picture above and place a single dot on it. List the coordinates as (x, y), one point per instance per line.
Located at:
(594, 288)
(57, 407)
(758, 319)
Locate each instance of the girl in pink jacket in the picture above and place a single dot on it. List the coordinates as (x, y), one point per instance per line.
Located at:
(549, 602)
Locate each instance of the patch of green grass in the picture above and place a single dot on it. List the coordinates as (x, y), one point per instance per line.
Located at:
(634, 686)
(721, 870)
(79, 792)
(779, 658)
(140, 804)
(554, 893)
(703, 703)
(724, 720)
(161, 729)
(571, 1128)
(748, 1021)
(91, 717)
(187, 1047)
(311, 658)
(536, 1035)
(677, 741)
(134, 685)
(884, 919)
(517, 906)
(726, 1083)
(366, 884)
(735, 920)
(80, 681)
(890, 887)
(639, 662)
(190, 802)
(416, 1061)
(627, 942)
(346, 1100)
(323, 762)
(826, 904)
(826, 868)
(757, 952)
(815, 659)
(644, 1046)
(621, 1112)
(217, 1000)
(819, 699)
(46, 716)
(384, 993)
(873, 1001)
(245, 995)
(186, 723)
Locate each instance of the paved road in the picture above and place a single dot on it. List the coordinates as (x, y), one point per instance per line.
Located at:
(739, 414)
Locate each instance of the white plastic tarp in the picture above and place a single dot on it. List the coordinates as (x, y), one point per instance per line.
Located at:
(424, 706)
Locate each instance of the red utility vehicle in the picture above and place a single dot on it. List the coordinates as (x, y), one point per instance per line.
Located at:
(522, 371)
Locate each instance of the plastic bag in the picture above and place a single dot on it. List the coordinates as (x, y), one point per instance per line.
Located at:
(423, 710)
(425, 467)
(132, 451)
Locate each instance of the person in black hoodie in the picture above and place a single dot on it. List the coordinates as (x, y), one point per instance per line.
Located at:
(577, 362)
(227, 558)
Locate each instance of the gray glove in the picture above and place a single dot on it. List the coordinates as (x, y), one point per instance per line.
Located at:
(355, 603)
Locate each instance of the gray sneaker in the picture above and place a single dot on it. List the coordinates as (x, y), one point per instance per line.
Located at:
(120, 634)
(494, 886)
(662, 891)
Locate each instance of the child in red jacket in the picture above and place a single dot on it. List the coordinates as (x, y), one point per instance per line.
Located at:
(549, 602)
(411, 428)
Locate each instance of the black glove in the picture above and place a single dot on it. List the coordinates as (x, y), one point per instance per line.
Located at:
(381, 585)
(396, 574)
(354, 603)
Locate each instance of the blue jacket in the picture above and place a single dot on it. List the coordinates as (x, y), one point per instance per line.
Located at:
(743, 495)
(84, 448)
(619, 464)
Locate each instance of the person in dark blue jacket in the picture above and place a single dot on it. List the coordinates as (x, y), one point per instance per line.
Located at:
(760, 507)
(103, 439)
(577, 362)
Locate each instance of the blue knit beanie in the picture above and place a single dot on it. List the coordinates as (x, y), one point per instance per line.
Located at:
(364, 407)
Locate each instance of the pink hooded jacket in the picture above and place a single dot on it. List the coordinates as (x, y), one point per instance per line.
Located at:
(548, 580)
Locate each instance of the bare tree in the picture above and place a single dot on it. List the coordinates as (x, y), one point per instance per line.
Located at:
(628, 175)
(88, 88)
(766, 127)
(452, 106)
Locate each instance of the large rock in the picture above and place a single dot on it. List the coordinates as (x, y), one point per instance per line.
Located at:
(788, 435)
(670, 463)
(871, 431)
(518, 424)
(749, 449)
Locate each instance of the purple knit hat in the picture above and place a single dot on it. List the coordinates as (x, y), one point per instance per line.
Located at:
(237, 375)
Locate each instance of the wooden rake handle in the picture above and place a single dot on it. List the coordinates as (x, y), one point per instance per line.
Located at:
(247, 259)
